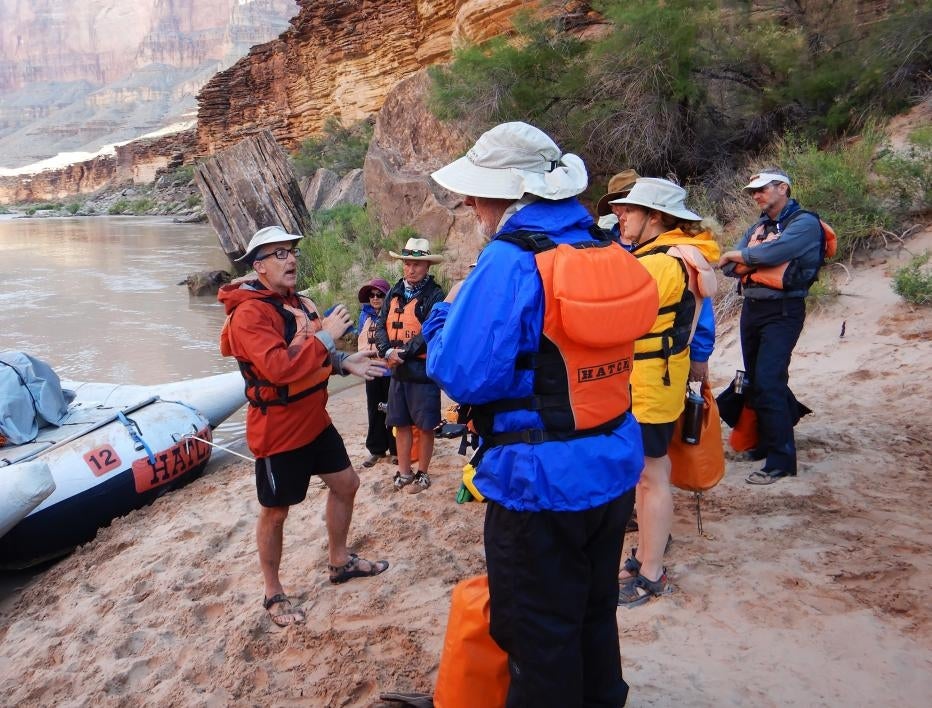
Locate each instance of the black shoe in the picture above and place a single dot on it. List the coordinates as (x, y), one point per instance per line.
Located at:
(768, 476)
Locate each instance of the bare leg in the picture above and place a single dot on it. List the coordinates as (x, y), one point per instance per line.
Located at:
(655, 515)
(269, 536)
(340, 498)
(403, 446)
(425, 448)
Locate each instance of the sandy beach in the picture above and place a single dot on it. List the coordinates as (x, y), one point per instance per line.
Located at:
(805, 593)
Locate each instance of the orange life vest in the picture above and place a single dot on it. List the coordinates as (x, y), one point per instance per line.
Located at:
(776, 276)
(261, 393)
(597, 300)
(402, 324)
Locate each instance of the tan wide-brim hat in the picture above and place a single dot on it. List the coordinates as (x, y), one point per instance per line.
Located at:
(417, 249)
(660, 195)
(618, 186)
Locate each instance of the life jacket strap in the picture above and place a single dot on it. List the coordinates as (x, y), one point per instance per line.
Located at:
(534, 436)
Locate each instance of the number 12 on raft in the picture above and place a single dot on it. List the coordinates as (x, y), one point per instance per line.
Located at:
(171, 463)
(102, 460)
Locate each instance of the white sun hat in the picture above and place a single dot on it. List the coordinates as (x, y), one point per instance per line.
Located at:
(511, 160)
(270, 234)
(660, 195)
(762, 179)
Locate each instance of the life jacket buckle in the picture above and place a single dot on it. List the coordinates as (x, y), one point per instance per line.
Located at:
(532, 436)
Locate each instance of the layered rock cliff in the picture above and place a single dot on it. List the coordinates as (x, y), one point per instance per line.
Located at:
(339, 58)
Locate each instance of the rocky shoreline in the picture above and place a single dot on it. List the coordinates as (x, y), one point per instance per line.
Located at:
(172, 194)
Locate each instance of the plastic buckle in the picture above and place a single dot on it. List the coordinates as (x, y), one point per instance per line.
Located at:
(532, 436)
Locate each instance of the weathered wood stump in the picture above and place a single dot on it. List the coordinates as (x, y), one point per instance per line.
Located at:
(247, 187)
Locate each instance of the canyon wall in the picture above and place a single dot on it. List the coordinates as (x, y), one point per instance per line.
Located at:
(78, 75)
(134, 163)
(338, 59)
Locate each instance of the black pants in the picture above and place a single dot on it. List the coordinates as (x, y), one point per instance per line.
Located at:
(769, 332)
(553, 581)
(379, 439)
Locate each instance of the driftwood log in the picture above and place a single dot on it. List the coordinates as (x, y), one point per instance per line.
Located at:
(247, 187)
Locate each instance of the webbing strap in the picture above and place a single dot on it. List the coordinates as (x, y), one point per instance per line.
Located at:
(133, 429)
(534, 436)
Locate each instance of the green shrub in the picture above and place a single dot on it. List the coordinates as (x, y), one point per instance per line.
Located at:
(836, 183)
(913, 282)
(921, 137)
(30, 211)
(340, 249)
(73, 208)
(181, 176)
(4, 210)
(192, 201)
(339, 149)
(689, 85)
(120, 206)
(142, 205)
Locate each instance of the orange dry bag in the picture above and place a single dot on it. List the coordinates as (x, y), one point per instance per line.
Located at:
(699, 467)
(744, 434)
(473, 668)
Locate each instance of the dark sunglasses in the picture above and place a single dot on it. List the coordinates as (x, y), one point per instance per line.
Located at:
(764, 188)
(416, 254)
(280, 253)
(376, 293)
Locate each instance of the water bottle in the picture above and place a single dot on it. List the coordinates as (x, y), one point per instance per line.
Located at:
(692, 418)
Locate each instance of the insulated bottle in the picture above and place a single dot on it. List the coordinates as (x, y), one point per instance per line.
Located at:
(692, 418)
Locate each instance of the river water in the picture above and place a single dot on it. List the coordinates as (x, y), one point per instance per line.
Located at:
(98, 299)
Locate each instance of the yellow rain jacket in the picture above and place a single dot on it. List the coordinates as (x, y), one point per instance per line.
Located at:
(653, 400)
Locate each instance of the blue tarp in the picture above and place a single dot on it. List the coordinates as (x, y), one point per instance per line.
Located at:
(31, 397)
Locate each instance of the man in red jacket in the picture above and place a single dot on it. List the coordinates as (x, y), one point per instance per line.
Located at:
(286, 353)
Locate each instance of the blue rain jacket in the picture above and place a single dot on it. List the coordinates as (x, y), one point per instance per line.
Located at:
(700, 348)
(472, 346)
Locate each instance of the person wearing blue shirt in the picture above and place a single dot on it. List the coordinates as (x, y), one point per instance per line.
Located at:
(557, 508)
(772, 318)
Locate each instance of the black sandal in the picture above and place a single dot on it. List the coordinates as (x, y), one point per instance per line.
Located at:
(632, 566)
(285, 610)
(639, 590)
(342, 573)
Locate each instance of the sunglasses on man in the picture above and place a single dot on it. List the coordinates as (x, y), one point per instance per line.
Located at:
(764, 188)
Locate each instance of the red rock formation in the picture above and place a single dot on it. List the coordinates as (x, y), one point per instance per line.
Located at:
(407, 145)
(135, 162)
(339, 58)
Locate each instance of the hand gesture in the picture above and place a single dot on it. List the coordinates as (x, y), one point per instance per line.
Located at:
(394, 359)
(300, 318)
(364, 365)
(337, 322)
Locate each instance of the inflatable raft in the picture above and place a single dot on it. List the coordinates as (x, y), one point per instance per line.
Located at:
(118, 448)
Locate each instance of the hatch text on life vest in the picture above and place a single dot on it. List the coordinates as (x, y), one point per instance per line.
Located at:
(603, 371)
